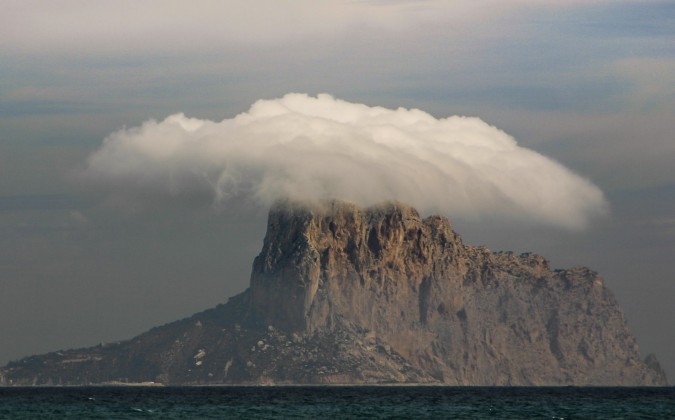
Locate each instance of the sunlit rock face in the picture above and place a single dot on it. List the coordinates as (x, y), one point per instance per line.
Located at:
(341, 294)
(459, 313)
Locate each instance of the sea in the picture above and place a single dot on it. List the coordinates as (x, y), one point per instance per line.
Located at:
(344, 402)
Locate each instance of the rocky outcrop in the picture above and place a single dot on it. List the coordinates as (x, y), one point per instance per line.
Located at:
(341, 294)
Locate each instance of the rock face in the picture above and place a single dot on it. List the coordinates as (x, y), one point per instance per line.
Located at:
(345, 295)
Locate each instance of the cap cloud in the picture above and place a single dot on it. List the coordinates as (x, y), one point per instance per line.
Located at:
(310, 148)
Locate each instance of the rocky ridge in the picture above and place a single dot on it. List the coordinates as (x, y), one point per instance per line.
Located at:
(345, 295)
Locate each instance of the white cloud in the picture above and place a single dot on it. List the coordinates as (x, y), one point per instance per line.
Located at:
(169, 26)
(312, 148)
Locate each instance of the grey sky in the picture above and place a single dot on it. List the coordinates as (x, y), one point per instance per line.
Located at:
(591, 85)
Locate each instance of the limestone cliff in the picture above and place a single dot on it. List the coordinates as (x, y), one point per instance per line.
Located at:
(341, 294)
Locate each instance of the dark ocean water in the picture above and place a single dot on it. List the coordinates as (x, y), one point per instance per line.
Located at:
(336, 402)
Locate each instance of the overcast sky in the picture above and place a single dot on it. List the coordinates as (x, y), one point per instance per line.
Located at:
(101, 241)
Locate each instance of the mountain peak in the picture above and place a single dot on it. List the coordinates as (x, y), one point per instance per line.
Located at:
(344, 294)
(307, 245)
